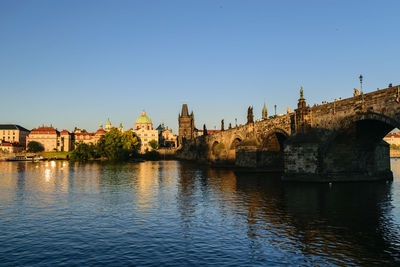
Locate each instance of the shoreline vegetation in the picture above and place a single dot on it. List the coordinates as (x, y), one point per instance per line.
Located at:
(115, 146)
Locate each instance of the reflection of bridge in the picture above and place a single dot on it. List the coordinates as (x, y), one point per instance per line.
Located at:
(341, 140)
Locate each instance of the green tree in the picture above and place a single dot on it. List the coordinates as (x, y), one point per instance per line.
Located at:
(83, 152)
(34, 147)
(130, 140)
(117, 146)
(114, 146)
(153, 144)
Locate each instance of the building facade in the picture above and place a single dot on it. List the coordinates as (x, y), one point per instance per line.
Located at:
(7, 147)
(48, 137)
(166, 137)
(144, 131)
(13, 133)
(53, 140)
(86, 137)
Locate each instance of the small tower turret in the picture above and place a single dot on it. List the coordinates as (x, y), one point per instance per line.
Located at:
(108, 125)
(264, 112)
(302, 114)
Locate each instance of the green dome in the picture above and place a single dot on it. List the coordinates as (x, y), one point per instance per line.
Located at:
(143, 119)
(108, 122)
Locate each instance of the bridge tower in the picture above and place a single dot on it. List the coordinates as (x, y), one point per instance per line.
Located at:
(186, 125)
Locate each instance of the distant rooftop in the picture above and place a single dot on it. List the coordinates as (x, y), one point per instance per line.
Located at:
(12, 127)
(45, 130)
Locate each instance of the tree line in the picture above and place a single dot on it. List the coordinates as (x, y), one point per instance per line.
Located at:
(114, 146)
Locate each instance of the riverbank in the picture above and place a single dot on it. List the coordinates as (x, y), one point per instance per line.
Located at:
(46, 155)
(163, 154)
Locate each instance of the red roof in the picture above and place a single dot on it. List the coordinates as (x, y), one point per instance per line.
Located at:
(100, 131)
(5, 143)
(396, 135)
(44, 130)
(64, 132)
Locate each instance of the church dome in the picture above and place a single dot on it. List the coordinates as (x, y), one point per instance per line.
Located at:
(143, 119)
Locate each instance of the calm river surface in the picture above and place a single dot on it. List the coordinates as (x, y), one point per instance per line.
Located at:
(174, 213)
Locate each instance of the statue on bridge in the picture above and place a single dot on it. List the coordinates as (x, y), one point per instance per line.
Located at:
(204, 129)
(222, 124)
(250, 117)
(356, 92)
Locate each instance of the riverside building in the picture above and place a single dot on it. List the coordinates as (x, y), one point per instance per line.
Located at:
(7, 147)
(144, 131)
(53, 140)
(13, 133)
(166, 137)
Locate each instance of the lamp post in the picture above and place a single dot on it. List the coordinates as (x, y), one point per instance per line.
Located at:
(275, 109)
(361, 78)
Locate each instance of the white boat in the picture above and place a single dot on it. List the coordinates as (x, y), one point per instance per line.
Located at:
(25, 158)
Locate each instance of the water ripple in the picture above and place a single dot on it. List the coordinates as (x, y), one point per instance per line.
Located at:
(173, 213)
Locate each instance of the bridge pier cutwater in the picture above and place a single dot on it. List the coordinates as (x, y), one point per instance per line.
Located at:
(337, 141)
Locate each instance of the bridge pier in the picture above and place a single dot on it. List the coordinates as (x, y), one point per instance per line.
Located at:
(306, 162)
(253, 157)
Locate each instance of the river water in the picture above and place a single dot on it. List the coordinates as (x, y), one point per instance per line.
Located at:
(174, 213)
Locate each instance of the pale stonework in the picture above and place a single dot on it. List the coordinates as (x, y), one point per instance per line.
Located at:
(53, 140)
(144, 131)
(13, 133)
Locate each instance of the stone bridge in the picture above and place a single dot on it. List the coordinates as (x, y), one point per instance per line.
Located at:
(337, 141)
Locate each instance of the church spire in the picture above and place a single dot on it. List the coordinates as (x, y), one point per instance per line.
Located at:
(264, 112)
(185, 112)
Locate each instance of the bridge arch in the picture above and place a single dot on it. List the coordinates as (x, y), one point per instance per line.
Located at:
(273, 140)
(373, 116)
(218, 150)
(236, 140)
(213, 147)
(271, 149)
(356, 146)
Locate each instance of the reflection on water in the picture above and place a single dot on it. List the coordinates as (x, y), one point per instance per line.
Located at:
(170, 213)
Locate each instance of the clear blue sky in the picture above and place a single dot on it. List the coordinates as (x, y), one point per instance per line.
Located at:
(76, 63)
